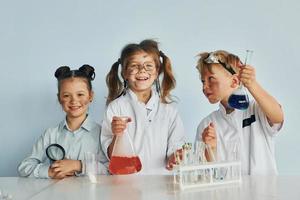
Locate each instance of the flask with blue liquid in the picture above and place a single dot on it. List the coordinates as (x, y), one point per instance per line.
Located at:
(239, 98)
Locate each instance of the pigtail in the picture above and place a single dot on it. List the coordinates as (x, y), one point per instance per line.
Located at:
(88, 71)
(168, 82)
(113, 82)
(157, 86)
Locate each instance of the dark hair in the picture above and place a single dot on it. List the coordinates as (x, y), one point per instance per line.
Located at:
(86, 72)
(114, 83)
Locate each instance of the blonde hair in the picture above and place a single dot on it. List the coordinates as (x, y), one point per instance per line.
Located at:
(229, 61)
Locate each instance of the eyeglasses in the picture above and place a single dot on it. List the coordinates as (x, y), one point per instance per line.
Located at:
(135, 68)
(213, 57)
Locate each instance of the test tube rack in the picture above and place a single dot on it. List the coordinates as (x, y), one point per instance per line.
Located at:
(207, 174)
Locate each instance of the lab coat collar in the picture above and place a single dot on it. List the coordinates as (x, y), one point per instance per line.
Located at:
(222, 109)
(150, 105)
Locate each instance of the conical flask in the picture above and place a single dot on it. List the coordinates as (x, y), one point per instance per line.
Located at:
(239, 98)
(124, 159)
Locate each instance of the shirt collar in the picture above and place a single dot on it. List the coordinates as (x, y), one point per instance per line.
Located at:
(222, 109)
(87, 124)
(152, 101)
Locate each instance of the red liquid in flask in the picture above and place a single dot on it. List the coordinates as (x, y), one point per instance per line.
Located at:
(124, 165)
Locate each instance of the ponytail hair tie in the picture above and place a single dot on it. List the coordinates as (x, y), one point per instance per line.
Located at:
(161, 54)
(119, 61)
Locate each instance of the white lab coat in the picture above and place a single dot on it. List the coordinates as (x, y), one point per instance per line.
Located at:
(156, 129)
(256, 138)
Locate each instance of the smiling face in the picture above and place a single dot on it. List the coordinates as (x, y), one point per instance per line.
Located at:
(140, 72)
(75, 97)
(218, 84)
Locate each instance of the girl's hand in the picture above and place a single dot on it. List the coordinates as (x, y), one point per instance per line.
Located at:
(51, 172)
(62, 168)
(172, 160)
(247, 76)
(119, 124)
(55, 175)
(209, 136)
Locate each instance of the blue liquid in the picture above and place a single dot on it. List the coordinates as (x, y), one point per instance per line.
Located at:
(240, 102)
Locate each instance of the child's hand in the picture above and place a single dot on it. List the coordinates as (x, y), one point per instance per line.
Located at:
(173, 160)
(119, 124)
(209, 136)
(62, 168)
(55, 175)
(51, 172)
(247, 76)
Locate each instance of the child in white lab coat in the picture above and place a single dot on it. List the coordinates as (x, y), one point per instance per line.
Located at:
(253, 129)
(154, 124)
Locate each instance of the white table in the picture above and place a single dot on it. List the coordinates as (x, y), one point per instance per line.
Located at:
(159, 187)
(24, 188)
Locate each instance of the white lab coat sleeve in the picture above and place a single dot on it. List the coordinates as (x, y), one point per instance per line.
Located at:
(176, 134)
(271, 130)
(103, 161)
(106, 132)
(36, 165)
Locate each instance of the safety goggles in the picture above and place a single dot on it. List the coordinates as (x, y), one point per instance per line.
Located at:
(214, 58)
(135, 68)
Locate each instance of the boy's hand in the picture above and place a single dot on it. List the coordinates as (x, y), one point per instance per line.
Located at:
(209, 136)
(172, 160)
(247, 76)
(119, 124)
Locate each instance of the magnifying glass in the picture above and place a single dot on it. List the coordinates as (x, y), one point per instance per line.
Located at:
(55, 152)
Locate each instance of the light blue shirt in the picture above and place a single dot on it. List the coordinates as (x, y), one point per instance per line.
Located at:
(76, 143)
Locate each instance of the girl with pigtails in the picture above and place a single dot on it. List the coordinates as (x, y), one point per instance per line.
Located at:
(76, 134)
(140, 90)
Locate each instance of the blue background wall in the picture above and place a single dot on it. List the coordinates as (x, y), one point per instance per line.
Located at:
(38, 36)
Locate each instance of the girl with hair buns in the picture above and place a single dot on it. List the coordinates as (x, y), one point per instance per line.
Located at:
(76, 134)
(142, 93)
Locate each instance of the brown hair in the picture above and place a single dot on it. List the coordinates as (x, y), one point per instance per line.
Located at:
(228, 60)
(86, 72)
(114, 83)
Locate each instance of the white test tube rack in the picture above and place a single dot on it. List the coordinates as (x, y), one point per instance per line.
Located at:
(207, 174)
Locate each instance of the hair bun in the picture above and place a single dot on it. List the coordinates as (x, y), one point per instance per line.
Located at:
(88, 70)
(61, 71)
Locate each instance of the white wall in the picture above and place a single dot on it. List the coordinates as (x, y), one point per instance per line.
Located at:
(38, 36)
